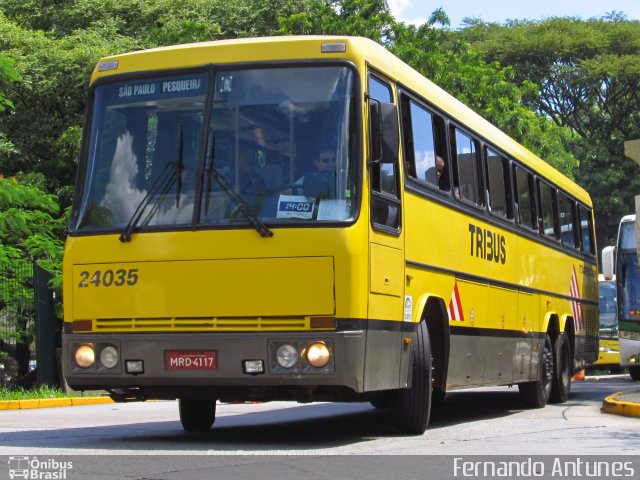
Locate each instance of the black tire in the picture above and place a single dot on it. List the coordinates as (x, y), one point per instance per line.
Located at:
(635, 373)
(536, 394)
(197, 415)
(412, 406)
(562, 367)
(383, 400)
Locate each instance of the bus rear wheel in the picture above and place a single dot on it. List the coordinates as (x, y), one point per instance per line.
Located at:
(412, 406)
(197, 415)
(536, 394)
(561, 384)
(635, 373)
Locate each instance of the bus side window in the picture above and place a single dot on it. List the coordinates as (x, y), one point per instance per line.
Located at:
(425, 150)
(468, 174)
(385, 188)
(586, 229)
(498, 184)
(567, 210)
(548, 225)
(523, 184)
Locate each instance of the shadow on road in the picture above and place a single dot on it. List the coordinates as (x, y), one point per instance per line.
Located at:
(296, 428)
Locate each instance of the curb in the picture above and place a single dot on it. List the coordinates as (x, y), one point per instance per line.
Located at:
(614, 406)
(52, 402)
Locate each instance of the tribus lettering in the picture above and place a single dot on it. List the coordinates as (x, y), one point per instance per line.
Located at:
(487, 245)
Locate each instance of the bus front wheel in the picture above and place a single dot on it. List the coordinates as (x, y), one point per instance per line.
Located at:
(536, 394)
(412, 406)
(635, 373)
(197, 415)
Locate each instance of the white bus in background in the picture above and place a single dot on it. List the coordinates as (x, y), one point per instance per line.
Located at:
(623, 261)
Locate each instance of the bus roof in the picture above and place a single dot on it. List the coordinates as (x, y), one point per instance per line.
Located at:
(628, 218)
(359, 50)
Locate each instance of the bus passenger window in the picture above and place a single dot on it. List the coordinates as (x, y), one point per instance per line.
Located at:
(427, 155)
(524, 194)
(467, 168)
(566, 208)
(379, 90)
(499, 185)
(586, 227)
(547, 210)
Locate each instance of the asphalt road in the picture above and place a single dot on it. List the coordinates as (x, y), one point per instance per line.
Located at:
(488, 421)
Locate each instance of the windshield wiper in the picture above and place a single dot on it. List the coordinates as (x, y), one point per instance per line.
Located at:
(157, 191)
(172, 172)
(260, 227)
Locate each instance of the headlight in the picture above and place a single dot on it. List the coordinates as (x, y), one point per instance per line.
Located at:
(85, 356)
(287, 356)
(318, 355)
(109, 357)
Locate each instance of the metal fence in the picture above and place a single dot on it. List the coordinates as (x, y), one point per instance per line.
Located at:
(17, 325)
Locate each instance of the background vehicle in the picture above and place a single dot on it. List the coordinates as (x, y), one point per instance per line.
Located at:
(624, 259)
(211, 257)
(609, 356)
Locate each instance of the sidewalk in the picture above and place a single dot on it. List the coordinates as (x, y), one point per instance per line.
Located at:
(52, 402)
(625, 403)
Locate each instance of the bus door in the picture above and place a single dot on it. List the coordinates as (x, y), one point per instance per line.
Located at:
(386, 305)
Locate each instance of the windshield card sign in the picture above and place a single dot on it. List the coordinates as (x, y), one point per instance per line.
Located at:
(295, 206)
(180, 360)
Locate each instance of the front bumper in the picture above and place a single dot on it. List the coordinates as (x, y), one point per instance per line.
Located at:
(345, 368)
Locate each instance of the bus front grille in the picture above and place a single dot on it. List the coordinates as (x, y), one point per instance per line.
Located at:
(199, 324)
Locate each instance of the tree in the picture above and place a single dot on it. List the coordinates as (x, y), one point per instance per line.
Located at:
(30, 230)
(587, 78)
(451, 63)
(8, 75)
(50, 99)
(55, 45)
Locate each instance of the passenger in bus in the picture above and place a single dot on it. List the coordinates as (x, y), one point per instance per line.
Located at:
(434, 173)
(322, 182)
(250, 182)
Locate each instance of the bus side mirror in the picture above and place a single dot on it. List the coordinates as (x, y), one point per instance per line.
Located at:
(383, 123)
(608, 262)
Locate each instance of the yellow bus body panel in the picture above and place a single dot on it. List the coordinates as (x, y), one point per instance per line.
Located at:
(196, 288)
(205, 281)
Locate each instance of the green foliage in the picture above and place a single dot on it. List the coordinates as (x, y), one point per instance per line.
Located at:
(587, 79)
(50, 98)
(365, 18)
(8, 75)
(451, 63)
(488, 88)
(44, 391)
(30, 231)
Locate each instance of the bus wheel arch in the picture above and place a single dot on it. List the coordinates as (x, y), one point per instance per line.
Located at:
(434, 314)
(570, 331)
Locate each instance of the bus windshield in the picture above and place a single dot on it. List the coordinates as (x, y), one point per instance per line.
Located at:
(627, 236)
(249, 146)
(628, 278)
(608, 307)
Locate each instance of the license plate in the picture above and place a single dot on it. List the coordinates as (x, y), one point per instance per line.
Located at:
(191, 360)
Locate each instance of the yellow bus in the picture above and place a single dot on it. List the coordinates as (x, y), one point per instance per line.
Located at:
(309, 219)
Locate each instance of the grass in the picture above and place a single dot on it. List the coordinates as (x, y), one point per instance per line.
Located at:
(35, 394)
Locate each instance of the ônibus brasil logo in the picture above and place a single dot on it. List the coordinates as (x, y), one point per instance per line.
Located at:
(33, 468)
